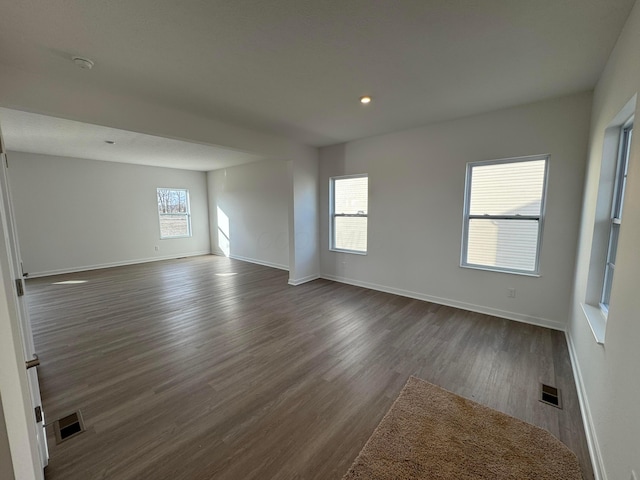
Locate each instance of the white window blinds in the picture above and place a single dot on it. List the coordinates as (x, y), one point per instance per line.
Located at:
(503, 214)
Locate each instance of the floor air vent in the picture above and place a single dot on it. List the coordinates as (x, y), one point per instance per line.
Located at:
(550, 395)
(69, 426)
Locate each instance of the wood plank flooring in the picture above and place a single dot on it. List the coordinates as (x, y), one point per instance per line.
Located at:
(210, 368)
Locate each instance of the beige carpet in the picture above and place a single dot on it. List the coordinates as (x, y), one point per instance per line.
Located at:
(430, 433)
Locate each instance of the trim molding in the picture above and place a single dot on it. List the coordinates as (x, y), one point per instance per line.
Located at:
(258, 262)
(599, 472)
(299, 281)
(518, 317)
(85, 268)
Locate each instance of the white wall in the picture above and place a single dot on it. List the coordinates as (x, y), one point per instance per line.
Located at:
(75, 214)
(249, 212)
(304, 218)
(416, 193)
(6, 465)
(608, 374)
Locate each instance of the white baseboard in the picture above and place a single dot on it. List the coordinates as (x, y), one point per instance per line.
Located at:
(592, 440)
(300, 281)
(260, 262)
(98, 266)
(518, 317)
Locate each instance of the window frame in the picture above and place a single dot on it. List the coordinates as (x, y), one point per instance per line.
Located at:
(539, 218)
(187, 214)
(617, 204)
(333, 215)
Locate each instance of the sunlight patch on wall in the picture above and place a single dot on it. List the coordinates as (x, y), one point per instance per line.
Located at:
(224, 240)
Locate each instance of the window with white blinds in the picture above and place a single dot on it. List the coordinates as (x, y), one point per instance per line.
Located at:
(349, 209)
(503, 213)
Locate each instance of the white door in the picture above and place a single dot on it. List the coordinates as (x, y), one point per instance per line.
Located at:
(15, 260)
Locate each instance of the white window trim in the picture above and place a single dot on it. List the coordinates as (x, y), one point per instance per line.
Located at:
(540, 218)
(187, 214)
(594, 314)
(332, 215)
(617, 203)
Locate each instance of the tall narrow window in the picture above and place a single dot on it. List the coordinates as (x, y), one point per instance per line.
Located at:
(616, 213)
(503, 214)
(174, 213)
(349, 210)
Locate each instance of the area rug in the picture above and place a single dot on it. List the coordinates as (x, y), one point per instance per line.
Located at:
(430, 433)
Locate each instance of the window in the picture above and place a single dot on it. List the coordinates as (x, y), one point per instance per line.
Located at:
(607, 218)
(174, 213)
(616, 213)
(349, 197)
(503, 214)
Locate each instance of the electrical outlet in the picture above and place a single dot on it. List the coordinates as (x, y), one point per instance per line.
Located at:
(157, 248)
(511, 292)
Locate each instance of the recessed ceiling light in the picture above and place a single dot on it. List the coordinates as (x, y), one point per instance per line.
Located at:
(110, 142)
(83, 63)
(365, 99)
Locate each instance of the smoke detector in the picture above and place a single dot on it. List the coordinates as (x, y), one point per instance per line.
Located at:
(84, 63)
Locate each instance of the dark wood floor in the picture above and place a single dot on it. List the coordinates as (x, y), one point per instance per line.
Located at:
(210, 368)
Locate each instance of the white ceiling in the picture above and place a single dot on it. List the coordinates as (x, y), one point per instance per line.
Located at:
(33, 133)
(296, 68)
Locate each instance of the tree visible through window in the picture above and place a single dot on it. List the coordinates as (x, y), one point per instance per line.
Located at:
(174, 213)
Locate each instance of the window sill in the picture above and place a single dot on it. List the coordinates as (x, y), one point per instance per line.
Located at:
(500, 270)
(355, 252)
(597, 321)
